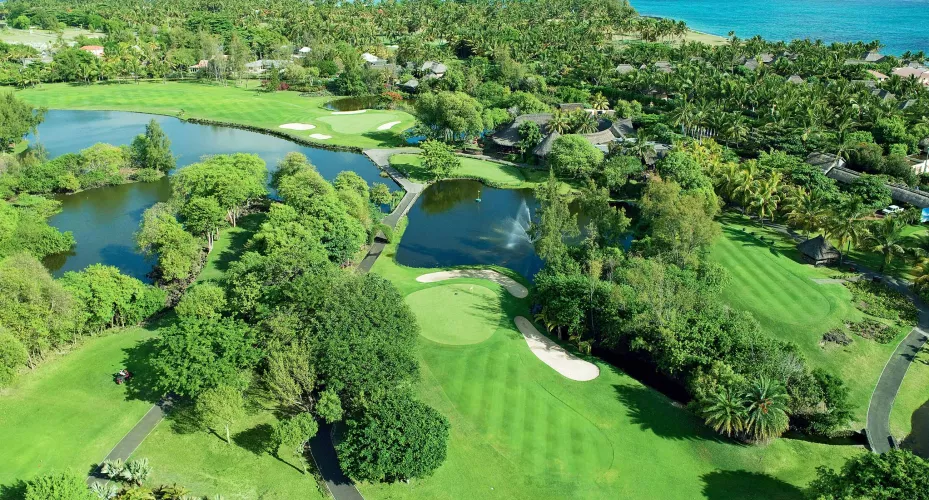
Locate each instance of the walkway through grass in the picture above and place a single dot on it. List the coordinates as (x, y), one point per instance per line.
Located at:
(69, 412)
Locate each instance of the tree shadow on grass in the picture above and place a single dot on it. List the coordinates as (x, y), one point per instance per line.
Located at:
(741, 484)
(747, 238)
(15, 491)
(142, 385)
(386, 138)
(257, 440)
(248, 225)
(918, 440)
(651, 411)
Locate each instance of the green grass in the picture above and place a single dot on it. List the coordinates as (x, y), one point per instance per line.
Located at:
(488, 172)
(913, 396)
(230, 104)
(521, 430)
(203, 463)
(472, 320)
(898, 267)
(68, 412)
(229, 247)
(768, 280)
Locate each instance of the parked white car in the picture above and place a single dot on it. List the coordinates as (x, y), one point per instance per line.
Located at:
(892, 209)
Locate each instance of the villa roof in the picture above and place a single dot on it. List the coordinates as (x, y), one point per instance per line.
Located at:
(877, 74)
(570, 106)
(622, 128)
(818, 249)
(435, 68)
(91, 47)
(412, 83)
(509, 136)
(752, 64)
(797, 79)
(543, 148)
(825, 161)
(623, 69)
(872, 56)
(884, 95)
(370, 58)
(834, 168)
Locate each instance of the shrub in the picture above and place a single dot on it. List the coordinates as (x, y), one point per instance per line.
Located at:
(147, 175)
(836, 336)
(878, 300)
(58, 485)
(13, 356)
(873, 330)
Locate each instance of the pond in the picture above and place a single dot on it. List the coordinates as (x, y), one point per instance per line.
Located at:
(447, 226)
(104, 220)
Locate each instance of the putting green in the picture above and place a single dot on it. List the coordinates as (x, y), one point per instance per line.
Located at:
(459, 314)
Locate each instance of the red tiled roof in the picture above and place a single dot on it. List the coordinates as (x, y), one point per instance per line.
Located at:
(91, 47)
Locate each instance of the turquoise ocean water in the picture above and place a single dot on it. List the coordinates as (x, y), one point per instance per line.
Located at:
(900, 25)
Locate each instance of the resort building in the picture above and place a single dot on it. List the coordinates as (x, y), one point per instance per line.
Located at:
(608, 130)
(834, 168)
(624, 69)
(93, 49)
(877, 75)
(870, 57)
(432, 69)
(918, 72)
(818, 251)
(262, 65)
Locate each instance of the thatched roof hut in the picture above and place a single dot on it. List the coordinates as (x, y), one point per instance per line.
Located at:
(818, 251)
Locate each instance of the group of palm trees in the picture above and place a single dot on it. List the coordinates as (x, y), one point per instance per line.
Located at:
(757, 413)
(845, 222)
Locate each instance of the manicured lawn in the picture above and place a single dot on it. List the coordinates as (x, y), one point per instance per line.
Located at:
(521, 430)
(203, 463)
(69, 413)
(232, 105)
(493, 174)
(228, 248)
(911, 406)
(768, 280)
(898, 267)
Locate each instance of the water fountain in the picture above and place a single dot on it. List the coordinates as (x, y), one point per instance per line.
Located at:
(518, 232)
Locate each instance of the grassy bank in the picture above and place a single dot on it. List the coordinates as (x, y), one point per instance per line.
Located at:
(231, 105)
(768, 280)
(521, 430)
(69, 412)
(490, 173)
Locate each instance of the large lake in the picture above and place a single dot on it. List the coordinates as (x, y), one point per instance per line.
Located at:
(447, 226)
(900, 25)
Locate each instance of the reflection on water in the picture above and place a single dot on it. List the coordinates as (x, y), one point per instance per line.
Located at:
(354, 103)
(104, 220)
(448, 227)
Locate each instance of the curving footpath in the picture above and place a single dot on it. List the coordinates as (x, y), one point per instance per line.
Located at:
(128, 444)
(880, 439)
(327, 463)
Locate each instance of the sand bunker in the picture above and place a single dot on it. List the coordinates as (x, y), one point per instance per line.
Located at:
(358, 112)
(511, 285)
(298, 126)
(554, 355)
(387, 126)
(320, 136)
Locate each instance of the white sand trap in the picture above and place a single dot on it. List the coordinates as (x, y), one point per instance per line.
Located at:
(320, 136)
(387, 126)
(298, 126)
(554, 355)
(357, 112)
(511, 285)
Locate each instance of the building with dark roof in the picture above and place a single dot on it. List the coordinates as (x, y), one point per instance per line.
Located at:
(818, 251)
(609, 129)
(834, 168)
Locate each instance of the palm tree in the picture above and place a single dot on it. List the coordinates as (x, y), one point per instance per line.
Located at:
(806, 210)
(767, 410)
(921, 273)
(559, 122)
(885, 238)
(846, 226)
(725, 411)
(599, 102)
(583, 122)
(765, 196)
